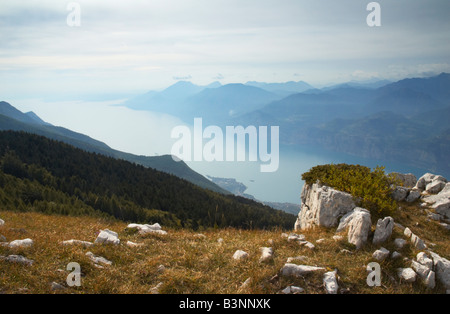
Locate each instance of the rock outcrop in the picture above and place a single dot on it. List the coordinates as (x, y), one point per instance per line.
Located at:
(322, 206)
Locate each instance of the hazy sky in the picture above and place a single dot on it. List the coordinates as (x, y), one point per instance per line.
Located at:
(127, 47)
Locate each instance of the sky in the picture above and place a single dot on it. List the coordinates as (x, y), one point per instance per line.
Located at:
(124, 48)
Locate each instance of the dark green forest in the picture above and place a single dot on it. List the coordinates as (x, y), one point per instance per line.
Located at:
(44, 175)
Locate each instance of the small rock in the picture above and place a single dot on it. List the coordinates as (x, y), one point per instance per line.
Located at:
(292, 290)
(299, 270)
(18, 259)
(407, 232)
(338, 238)
(26, 243)
(56, 286)
(266, 254)
(220, 240)
(297, 258)
(381, 254)
(320, 241)
(240, 255)
(98, 259)
(77, 242)
(108, 237)
(400, 243)
(396, 255)
(407, 274)
(132, 244)
(330, 282)
(2, 222)
(413, 196)
(423, 259)
(155, 290)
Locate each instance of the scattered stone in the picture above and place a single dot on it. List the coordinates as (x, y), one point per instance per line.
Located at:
(338, 238)
(77, 242)
(383, 230)
(396, 255)
(144, 229)
(299, 270)
(297, 258)
(266, 254)
(240, 255)
(155, 290)
(322, 206)
(295, 237)
(57, 287)
(220, 240)
(307, 244)
(2, 222)
(330, 282)
(413, 195)
(418, 242)
(132, 244)
(407, 232)
(381, 254)
(407, 274)
(161, 269)
(407, 180)
(426, 274)
(399, 193)
(245, 285)
(98, 259)
(358, 223)
(292, 290)
(442, 269)
(345, 251)
(18, 259)
(320, 241)
(423, 259)
(108, 237)
(26, 243)
(400, 243)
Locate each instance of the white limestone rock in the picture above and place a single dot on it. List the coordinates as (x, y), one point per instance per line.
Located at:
(145, 228)
(407, 274)
(400, 243)
(330, 282)
(358, 223)
(442, 269)
(77, 242)
(299, 270)
(107, 237)
(25, 243)
(383, 230)
(98, 259)
(322, 206)
(240, 255)
(292, 290)
(381, 254)
(266, 254)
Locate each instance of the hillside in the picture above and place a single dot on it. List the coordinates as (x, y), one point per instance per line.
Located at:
(13, 119)
(38, 172)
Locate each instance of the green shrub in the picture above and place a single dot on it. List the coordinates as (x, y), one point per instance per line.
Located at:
(369, 188)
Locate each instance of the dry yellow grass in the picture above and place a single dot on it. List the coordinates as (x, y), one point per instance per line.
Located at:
(194, 264)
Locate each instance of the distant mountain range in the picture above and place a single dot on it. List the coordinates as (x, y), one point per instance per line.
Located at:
(15, 120)
(404, 121)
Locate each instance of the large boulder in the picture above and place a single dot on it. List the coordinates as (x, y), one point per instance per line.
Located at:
(407, 180)
(442, 269)
(322, 206)
(383, 230)
(431, 183)
(358, 222)
(440, 202)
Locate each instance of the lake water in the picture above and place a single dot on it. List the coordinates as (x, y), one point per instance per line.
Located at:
(285, 184)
